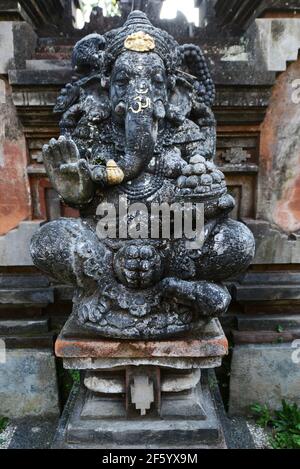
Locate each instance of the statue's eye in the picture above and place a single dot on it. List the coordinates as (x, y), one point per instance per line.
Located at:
(158, 78)
(121, 80)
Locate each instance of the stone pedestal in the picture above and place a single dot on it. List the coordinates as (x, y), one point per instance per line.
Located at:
(141, 394)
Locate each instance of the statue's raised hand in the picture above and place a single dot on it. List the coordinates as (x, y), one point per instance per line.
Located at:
(69, 174)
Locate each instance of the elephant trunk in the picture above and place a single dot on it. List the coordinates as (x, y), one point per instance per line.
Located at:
(141, 127)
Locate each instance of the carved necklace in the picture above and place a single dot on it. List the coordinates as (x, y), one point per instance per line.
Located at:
(147, 186)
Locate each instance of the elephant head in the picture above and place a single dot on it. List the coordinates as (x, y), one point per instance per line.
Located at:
(144, 81)
(138, 96)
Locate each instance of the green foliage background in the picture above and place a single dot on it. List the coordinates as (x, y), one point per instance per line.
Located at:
(110, 7)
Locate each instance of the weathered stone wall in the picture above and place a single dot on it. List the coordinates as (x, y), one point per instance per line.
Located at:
(28, 384)
(263, 373)
(15, 202)
(279, 199)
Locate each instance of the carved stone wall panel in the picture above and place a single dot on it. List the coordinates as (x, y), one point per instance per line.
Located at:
(244, 186)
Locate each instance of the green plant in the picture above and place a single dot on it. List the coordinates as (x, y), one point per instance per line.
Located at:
(262, 414)
(285, 424)
(3, 425)
(75, 375)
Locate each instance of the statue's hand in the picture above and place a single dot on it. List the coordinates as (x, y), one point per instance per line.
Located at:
(219, 207)
(99, 174)
(201, 176)
(69, 174)
(109, 175)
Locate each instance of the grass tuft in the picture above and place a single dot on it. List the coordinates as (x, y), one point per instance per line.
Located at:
(284, 424)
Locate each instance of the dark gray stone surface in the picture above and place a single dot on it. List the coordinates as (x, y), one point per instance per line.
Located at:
(38, 433)
(235, 429)
(23, 326)
(82, 431)
(33, 296)
(138, 123)
(28, 383)
(274, 322)
(264, 373)
(33, 433)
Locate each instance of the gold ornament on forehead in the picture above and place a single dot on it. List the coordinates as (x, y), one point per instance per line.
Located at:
(139, 42)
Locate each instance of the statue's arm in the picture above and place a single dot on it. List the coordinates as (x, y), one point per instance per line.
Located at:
(69, 174)
(201, 176)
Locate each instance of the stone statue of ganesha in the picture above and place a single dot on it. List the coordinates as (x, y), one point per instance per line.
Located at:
(137, 123)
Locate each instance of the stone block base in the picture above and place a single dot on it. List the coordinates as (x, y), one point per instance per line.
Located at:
(141, 394)
(28, 384)
(99, 421)
(264, 373)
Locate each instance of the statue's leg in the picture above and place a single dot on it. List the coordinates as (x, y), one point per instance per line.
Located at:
(196, 276)
(227, 252)
(68, 250)
(208, 299)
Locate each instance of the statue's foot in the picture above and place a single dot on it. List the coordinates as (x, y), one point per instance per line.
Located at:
(206, 298)
(138, 266)
(69, 250)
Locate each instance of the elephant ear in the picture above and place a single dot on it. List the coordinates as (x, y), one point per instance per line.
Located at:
(84, 102)
(88, 54)
(87, 61)
(194, 92)
(194, 64)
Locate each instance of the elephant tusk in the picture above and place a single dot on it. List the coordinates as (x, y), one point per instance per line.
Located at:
(115, 174)
(159, 110)
(142, 91)
(120, 108)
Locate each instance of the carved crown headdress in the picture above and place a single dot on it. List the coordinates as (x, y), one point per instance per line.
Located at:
(94, 55)
(139, 34)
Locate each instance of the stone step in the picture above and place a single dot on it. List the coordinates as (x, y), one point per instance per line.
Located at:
(258, 293)
(26, 296)
(80, 428)
(23, 281)
(265, 337)
(58, 77)
(22, 326)
(48, 64)
(271, 278)
(276, 323)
